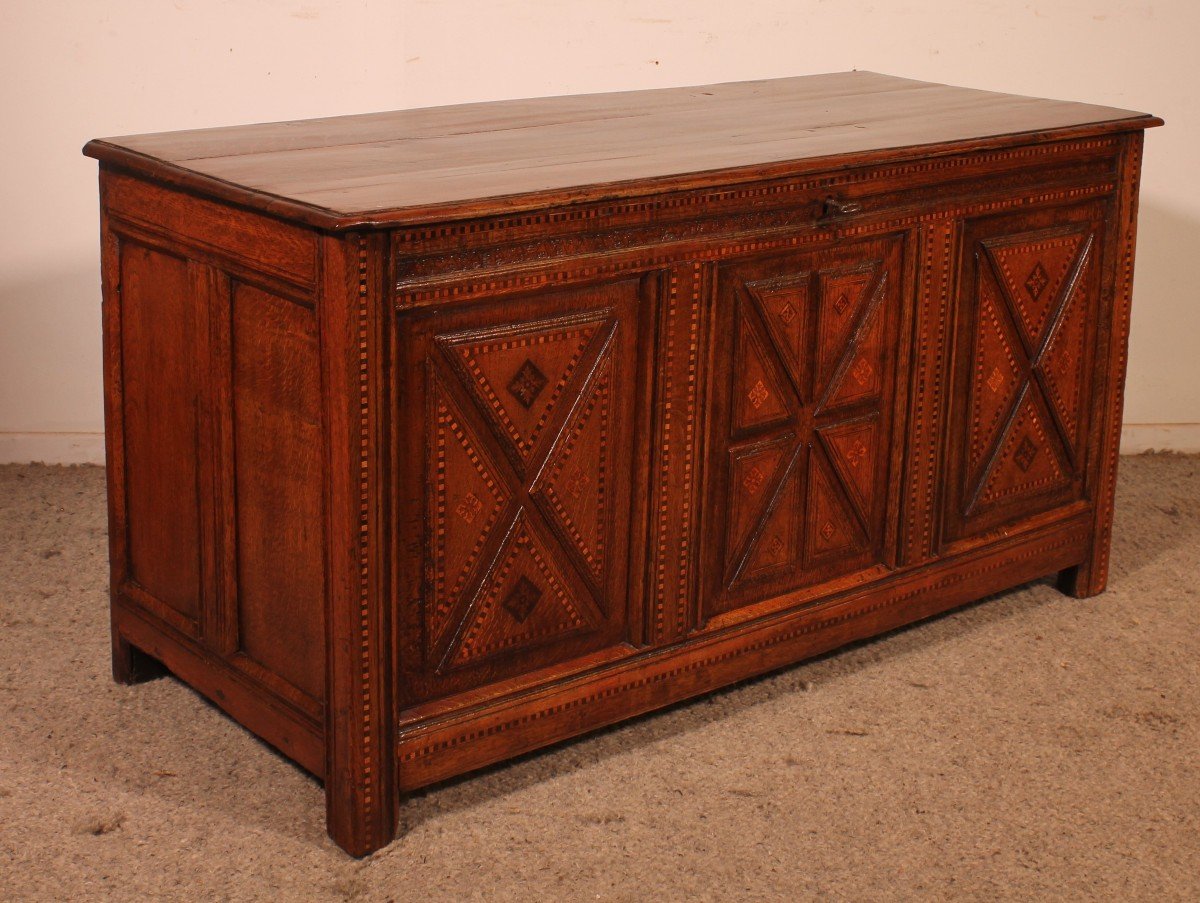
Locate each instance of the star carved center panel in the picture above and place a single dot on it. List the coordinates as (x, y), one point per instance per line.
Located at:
(807, 421)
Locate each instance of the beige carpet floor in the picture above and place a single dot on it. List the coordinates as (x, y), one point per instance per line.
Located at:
(1031, 747)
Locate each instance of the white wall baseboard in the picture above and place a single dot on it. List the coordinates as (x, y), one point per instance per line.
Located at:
(88, 448)
(52, 448)
(1174, 437)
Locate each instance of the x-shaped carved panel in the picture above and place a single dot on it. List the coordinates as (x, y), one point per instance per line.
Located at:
(1028, 357)
(520, 420)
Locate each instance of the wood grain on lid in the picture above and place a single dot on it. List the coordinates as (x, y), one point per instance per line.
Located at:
(473, 159)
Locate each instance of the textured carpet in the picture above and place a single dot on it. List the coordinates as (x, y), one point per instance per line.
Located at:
(1028, 747)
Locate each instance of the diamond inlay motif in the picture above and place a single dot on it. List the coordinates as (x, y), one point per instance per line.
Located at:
(1025, 454)
(856, 453)
(527, 384)
(578, 484)
(758, 394)
(753, 481)
(523, 599)
(862, 371)
(468, 509)
(840, 305)
(996, 380)
(828, 530)
(787, 313)
(1037, 281)
(776, 548)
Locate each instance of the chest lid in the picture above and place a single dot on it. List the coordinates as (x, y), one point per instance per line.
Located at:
(453, 162)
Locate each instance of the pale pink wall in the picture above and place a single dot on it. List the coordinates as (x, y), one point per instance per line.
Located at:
(74, 69)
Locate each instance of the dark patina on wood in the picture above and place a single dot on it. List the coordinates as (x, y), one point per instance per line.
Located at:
(441, 435)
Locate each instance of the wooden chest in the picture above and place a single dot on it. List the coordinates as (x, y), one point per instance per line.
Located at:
(441, 435)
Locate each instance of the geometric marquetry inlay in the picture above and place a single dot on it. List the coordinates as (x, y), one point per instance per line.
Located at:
(1026, 461)
(519, 378)
(575, 485)
(522, 423)
(760, 393)
(527, 384)
(806, 439)
(468, 500)
(1028, 354)
(1032, 274)
(525, 601)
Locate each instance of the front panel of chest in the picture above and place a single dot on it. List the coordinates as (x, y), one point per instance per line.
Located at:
(1028, 308)
(804, 409)
(515, 470)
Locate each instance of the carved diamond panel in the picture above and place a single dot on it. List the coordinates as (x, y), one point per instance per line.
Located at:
(519, 378)
(1027, 368)
(521, 446)
(525, 602)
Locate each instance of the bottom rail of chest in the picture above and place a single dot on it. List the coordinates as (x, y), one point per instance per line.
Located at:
(435, 743)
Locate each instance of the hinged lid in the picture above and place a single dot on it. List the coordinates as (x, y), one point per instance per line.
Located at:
(477, 159)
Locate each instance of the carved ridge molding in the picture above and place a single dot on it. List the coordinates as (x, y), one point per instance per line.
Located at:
(534, 274)
(676, 433)
(497, 227)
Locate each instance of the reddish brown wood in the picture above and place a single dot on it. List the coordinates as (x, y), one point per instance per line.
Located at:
(421, 456)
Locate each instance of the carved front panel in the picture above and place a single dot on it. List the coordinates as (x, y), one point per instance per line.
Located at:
(803, 409)
(520, 444)
(1027, 310)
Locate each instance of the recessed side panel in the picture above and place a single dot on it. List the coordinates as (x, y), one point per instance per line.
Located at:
(162, 332)
(215, 458)
(277, 510)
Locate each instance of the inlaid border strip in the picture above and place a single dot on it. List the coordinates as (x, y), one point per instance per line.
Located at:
(928, 394)
(478, 726)
(679, 354)
(362, 327)
(497, 226)
(525, 277)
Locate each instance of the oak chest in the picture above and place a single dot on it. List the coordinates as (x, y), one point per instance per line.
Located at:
(441, 435)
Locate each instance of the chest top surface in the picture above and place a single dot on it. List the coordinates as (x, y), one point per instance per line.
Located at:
(407, 166)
